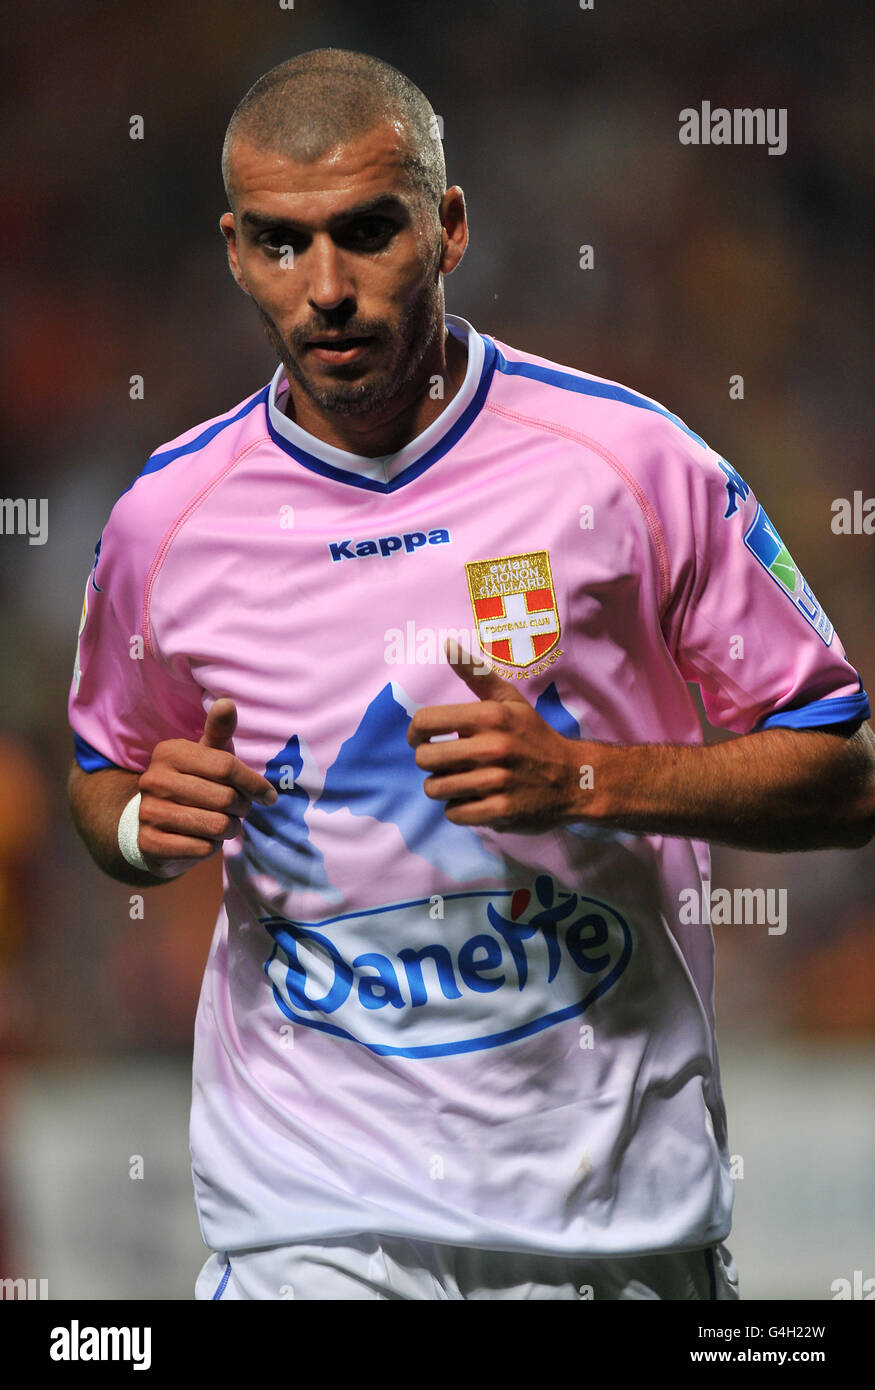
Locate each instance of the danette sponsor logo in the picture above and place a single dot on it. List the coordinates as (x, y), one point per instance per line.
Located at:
(501, 965)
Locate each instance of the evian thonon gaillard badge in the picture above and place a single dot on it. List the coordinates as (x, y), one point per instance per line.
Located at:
(515, 609)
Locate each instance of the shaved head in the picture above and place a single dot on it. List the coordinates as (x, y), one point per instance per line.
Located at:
(341, 231)
(309, 105)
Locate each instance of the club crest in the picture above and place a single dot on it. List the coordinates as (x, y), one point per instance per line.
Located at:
(515, 610)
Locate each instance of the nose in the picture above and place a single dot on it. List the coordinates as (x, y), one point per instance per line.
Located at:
(329, 285)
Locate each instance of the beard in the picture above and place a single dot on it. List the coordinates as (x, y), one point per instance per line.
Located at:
(421, 321)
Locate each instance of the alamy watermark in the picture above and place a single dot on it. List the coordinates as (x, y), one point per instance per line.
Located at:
(77, 1343)
(25, 516)
(430, 646)
(742, 907)
(742, 125)
(32, 1289)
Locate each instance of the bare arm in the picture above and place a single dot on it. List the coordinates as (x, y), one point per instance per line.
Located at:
(193, 797)
(780, 789)
(97, 799)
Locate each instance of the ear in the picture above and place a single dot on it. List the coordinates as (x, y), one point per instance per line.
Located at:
(229, 232)
(454, 228)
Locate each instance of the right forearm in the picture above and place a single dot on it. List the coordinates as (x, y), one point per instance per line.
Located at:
(97, 800)
(193, 797)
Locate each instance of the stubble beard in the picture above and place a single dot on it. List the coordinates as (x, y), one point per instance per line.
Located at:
(422, 320)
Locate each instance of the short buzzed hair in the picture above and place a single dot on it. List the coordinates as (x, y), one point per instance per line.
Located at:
(308, 105)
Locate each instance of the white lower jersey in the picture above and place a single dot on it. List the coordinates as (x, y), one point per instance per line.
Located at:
(373, 1267)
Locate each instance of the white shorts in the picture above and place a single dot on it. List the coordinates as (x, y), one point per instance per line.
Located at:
(381, 1267)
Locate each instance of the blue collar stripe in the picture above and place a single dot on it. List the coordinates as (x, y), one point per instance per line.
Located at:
(584, 387)
(419, 466)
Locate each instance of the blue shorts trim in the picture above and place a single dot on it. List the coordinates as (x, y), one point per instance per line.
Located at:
(223, 1283)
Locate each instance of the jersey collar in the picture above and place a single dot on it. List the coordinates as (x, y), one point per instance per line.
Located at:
(392, 470)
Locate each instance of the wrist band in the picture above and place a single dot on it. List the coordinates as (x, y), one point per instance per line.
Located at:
(129, 844)
(129, 835)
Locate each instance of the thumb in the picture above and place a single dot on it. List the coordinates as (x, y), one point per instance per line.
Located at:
(479, 675)
(220, 725)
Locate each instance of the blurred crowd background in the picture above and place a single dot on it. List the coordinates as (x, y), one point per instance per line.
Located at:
(561, 124)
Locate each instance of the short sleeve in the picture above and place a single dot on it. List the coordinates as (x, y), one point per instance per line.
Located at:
(124, 697)
(740, 619)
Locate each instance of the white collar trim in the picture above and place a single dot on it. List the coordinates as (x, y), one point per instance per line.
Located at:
(390, 465)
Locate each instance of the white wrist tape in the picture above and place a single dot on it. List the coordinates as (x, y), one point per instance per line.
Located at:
(129, 844)
(129, 835)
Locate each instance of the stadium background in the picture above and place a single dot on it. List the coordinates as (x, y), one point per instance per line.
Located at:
(561, 125)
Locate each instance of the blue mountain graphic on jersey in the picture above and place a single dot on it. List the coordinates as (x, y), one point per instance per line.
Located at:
(375, 774)
(554, 713)
(279, 840)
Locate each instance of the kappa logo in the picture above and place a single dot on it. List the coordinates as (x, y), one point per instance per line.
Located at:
(388, 545)
(505, 964)
(515, 607)
(735, 487)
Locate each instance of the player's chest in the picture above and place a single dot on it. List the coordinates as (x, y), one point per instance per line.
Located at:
(298, 588)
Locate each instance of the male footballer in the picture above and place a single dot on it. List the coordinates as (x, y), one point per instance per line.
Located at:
(416, 622)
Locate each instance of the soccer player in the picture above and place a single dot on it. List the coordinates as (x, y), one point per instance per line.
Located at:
(456, 1034)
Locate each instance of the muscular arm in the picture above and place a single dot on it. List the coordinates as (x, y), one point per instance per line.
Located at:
(780, 789)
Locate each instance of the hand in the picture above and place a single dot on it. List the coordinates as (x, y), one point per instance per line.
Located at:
(507, 769)
(194, 795)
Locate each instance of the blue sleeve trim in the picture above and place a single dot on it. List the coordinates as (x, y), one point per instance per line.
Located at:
(89, 759)
(820, 713)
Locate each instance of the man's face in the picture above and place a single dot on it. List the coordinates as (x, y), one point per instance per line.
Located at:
(343, 261)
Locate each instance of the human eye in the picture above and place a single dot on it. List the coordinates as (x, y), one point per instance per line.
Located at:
(280, 239)
(368, 233)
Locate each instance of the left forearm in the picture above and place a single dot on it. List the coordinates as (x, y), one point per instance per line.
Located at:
(781, 789)
(508, 769)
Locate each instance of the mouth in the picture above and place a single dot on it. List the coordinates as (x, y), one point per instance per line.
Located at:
(339, 349)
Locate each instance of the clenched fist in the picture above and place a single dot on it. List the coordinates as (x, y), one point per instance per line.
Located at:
(507, 769)
(194, 795)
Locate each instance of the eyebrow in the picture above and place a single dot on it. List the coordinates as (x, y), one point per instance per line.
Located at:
(384, 202)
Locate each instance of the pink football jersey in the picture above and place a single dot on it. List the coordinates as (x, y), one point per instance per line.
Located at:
(407, 1026)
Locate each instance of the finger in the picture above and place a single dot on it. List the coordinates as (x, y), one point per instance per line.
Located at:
(169, 818)
(251, 784)
(468, 786)
(479, 675)
(220, 724)
(188, 790)
(158, 847)
(489, 810)
(179, 757)
(460, 754)
(464, 720)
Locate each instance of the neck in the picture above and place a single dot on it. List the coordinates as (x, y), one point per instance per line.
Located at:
(377, 434)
